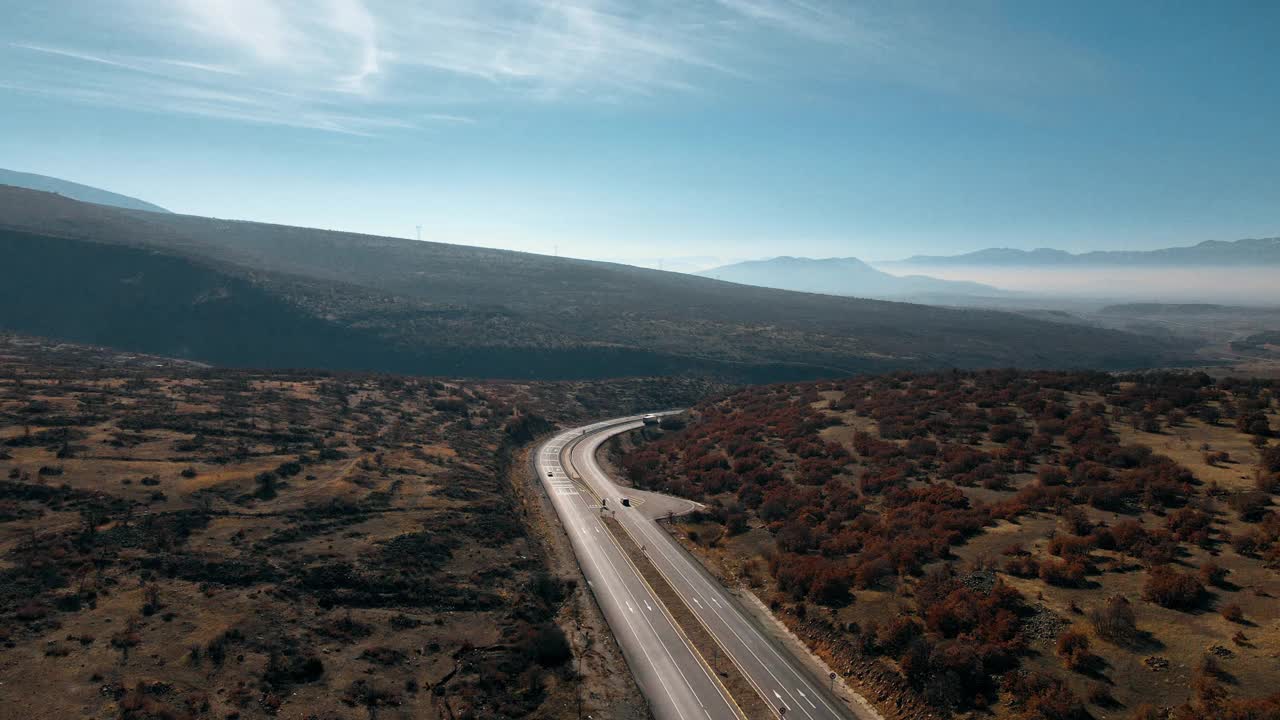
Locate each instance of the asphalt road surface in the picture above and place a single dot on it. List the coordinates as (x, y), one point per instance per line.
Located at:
(673, 677)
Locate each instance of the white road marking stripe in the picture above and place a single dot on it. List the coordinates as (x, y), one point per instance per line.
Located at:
(721, 691)
(694, 587)
(806, 699)
(604, 568)
(663, 551)
(611, 573)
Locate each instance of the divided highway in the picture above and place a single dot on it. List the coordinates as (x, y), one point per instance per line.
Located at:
(672, 675)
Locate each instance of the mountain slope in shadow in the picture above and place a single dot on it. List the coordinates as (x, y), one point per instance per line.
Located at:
(243, 293)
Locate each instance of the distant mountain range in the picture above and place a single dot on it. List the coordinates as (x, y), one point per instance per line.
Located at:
(841, 276)
(75, 191)
(1217, 253)
(252, 294)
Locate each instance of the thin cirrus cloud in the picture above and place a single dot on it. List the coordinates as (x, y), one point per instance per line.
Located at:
(368, 66)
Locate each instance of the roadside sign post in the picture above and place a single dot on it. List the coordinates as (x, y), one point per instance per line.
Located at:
(833, 681)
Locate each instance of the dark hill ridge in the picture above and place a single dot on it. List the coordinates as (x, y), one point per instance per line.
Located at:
(380, 303)
(840, 276)
(1248, 252)
(73, 190)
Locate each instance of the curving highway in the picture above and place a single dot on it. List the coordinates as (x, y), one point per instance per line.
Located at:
(673, 677)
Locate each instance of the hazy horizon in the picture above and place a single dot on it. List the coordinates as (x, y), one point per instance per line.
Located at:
(1229, 285)
(1212, 284)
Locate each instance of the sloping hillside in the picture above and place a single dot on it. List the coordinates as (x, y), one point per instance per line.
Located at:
(436, 308)
(74, 190)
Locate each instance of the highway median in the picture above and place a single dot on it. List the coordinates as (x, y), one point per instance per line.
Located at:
(745, 695)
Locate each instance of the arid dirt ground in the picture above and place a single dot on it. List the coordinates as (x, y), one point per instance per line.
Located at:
(182, 542)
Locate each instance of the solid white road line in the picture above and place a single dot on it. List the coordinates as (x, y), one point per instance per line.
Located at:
(647, 529)
(675, 565)
(720, 690)
(634, 633)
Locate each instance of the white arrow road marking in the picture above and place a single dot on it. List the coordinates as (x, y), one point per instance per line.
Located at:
(806, 699)
(630, 608)
(646, 604)
(716, 602)
(597, 531)
(698, 601)
(775, 694)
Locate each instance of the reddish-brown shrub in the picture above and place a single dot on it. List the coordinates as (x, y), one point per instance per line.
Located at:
(1043, 697)
(897, 634)
(1251, 506)
(1211, 573)
(1233, 613)
(1169, 588)
(1068, 574)
(1189, 525)
(1022, 566)
(1114, 620)
(1073, 648)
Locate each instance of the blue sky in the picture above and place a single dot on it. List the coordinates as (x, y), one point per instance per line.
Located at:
(645, 129)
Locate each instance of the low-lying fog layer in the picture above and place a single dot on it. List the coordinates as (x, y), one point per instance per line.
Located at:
(1242, 286)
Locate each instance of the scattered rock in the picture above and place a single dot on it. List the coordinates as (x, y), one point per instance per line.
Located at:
(980, 581)
(1155, 663)
(1043, 624)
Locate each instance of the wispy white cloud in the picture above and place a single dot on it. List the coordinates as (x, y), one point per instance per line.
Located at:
(73, 54)
(362, 66)
(258, 27)
(205, 67)
(803, 18)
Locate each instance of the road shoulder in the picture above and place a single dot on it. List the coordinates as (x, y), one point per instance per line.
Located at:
(607, 688)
